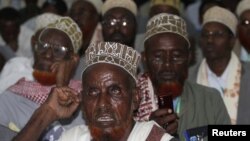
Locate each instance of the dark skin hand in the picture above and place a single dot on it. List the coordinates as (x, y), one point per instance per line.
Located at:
(62, 103)
(166, 119)
(64, 70)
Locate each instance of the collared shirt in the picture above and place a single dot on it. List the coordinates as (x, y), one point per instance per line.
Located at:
(218, 82)
(244, 55)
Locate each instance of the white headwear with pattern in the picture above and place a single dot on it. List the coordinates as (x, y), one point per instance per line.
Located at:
(45, 19)
(69, 26)
(113, 53)
(166, 23)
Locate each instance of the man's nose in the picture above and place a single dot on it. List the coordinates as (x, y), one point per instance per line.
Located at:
(103, 100)
(49, 52)
(167, 61)
(117, 26)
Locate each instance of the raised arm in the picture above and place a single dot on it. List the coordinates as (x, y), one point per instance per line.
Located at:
(61, 103)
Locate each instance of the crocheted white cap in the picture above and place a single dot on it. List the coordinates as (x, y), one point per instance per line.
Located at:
(127, 4)
(44, 19)
(166, 23)
(68, 26)
(221, 15)
(242, 6)
(97, 4)
(113, 53)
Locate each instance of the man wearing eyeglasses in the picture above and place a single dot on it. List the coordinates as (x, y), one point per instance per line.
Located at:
(119, 21)
(55, 58)
(243, 13)
(221, 68)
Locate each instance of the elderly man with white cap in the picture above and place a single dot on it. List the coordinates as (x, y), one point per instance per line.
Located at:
(55, 58)
(19, 67)
(221, 68)
(167, 97)
(243, 13)
(108, 101)
(119, 21)
(86, 13)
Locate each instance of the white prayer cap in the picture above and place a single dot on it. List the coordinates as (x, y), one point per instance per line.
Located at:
(113, 53)
(68, 26)
(242, 6)
(97, 4)
(166, 23)
(221, 15)
(127, 4)
(45, 19)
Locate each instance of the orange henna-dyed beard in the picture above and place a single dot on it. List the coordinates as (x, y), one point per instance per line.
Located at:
(44, 77)
(170, 88)
(114, 134)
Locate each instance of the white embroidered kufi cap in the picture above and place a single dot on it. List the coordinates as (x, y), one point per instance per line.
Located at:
(97, 4)
(113, 53)
(242, 7)
(127, 4)
(68, 26)
(166, 23)
(221, 15)
(45, 19)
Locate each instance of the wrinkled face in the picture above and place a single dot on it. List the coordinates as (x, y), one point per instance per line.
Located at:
(52, 46)
(9, 30)
(107, 100)
(216, 41)
(119, 25)
(244, 30)
(167, 59)
(86, 16)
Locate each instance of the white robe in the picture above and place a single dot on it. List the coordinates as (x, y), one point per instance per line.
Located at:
(15, 69)
(140, 132)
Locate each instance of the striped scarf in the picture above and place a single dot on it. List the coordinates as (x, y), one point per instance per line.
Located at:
(36, 92)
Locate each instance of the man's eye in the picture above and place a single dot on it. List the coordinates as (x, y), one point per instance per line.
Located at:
(177, 55)
(157, 57)
(93, 92)
(124, 23)
(112, 23)
(115, 90)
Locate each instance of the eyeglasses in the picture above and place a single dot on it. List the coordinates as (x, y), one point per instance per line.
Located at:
(59, 52)
(216, 34)
(113, 22)
(174, 58)
(245, 23)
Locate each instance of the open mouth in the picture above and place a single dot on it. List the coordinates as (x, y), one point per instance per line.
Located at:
(105, 119)
(167, 76)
